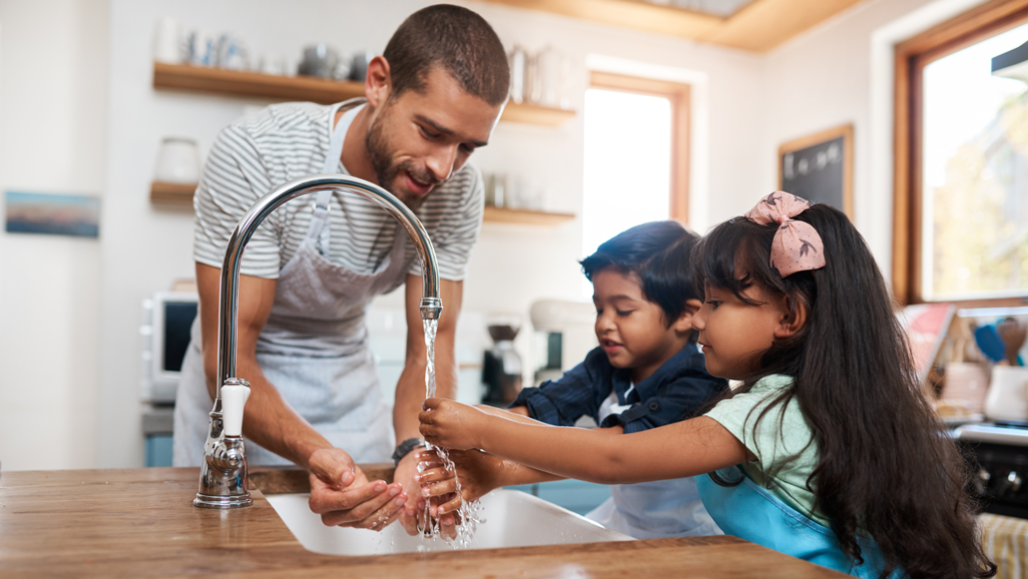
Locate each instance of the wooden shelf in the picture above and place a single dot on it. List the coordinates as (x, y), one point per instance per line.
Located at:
(525, 216)
(182, 195)
(172, 193)
(305, 88)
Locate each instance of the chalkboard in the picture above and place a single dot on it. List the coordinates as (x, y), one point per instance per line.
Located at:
(819, 168)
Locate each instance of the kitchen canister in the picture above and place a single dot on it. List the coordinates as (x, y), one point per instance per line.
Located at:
(1008, 393)
(178, 161)
(517, 61)
(167, 41)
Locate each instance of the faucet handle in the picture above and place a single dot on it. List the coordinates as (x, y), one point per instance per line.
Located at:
(234, 393)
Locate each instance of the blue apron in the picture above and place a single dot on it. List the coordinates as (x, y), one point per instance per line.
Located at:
(749, 512)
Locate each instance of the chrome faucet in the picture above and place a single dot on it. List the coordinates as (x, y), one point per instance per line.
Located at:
(223, 473)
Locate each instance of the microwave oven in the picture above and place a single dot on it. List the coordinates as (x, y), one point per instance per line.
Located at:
(167, 321)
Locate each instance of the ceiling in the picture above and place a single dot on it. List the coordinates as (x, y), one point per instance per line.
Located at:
(720, 8)
(754, 25)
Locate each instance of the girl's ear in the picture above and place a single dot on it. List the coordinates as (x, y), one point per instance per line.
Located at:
(684, 322)
(793, 318)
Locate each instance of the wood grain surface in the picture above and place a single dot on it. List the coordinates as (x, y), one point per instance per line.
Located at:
(141, 523)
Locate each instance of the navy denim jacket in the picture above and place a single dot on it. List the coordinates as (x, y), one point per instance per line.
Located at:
(676, 391)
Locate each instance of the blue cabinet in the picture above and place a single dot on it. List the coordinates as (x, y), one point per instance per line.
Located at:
(574, 495)
(158, 450)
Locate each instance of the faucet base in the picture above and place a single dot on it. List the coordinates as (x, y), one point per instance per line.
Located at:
(214, 502)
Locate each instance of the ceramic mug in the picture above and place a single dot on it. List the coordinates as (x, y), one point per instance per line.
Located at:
(1008, 393)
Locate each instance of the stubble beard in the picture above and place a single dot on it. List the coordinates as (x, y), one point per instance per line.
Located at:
(386, 171)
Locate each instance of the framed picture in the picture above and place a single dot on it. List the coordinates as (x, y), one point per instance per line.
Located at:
(74, 215)
(819, 168)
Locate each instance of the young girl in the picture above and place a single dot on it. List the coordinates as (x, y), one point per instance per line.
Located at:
(827, 451)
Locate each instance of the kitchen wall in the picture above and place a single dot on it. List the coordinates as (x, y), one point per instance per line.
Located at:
(841, 72)
(53, 120)
(71, 308)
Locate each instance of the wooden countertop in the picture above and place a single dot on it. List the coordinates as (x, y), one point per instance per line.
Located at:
(141, 523)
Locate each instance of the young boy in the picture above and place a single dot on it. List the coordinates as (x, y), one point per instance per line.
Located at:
(647, 372)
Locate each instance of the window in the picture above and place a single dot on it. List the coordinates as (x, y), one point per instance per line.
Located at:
(636, 155)
(961, 209)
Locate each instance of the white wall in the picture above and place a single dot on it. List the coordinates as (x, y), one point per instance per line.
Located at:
(53, 105)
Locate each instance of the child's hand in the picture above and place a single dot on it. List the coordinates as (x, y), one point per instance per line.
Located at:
(478, 473)
(450, 424)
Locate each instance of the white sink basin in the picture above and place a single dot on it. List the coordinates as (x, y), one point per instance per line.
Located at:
(513, 519)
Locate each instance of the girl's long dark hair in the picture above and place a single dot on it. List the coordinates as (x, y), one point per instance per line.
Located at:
(886, 467)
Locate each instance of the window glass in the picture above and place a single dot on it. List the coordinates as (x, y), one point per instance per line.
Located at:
(974, 175)
(627, 177)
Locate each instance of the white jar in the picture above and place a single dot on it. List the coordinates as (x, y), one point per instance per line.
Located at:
(167, 42)
(1008, 393)
(178, 161)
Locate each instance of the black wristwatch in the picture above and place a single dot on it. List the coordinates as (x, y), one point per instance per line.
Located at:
(404, 448)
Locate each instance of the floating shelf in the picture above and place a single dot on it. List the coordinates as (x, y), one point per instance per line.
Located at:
(172, 193)
(525, 216)
(305, 88)
(182, 195)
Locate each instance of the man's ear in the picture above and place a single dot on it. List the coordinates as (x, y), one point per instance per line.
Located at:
(793, 318)
(684, 322)
(378, 83)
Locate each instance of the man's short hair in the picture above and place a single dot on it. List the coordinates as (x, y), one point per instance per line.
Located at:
(456, 39)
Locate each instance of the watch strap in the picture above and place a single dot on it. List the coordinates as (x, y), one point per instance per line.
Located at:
(404, 448)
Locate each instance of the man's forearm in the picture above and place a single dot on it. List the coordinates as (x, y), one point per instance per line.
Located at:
(270, 422)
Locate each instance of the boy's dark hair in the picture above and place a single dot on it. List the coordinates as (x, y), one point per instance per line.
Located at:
(856, 386)
(456, 39)
(657, 252)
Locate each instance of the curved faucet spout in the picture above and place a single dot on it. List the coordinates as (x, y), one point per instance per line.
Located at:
(223, 485)
(431, 305)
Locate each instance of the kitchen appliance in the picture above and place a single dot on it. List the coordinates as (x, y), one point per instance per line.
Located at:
(167, 320)
(999, 453)
(564, 334)
(501, 368)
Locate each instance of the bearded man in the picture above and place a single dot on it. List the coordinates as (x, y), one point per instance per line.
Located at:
(313, 266)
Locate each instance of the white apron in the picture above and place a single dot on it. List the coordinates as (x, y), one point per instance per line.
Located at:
(656, 510)
(313, 348)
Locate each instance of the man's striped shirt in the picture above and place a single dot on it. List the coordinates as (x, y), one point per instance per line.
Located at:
(283, 142)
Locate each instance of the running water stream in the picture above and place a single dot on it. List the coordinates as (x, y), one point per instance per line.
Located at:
(468, 514)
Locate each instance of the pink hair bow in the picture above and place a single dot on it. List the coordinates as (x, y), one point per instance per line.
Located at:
(797, 245)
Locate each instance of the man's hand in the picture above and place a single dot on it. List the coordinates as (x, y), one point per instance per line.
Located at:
(342, 495)
(450, 424)
(413, 515)
(478, 473)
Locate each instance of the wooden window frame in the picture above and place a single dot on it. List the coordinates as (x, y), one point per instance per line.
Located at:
(679, 95)
(911, 57)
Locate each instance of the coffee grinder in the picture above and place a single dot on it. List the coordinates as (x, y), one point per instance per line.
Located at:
(501, 369)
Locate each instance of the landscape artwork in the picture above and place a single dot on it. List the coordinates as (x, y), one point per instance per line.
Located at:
(75, 215)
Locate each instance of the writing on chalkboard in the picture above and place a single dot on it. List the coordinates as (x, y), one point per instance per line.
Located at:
(818, 168)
